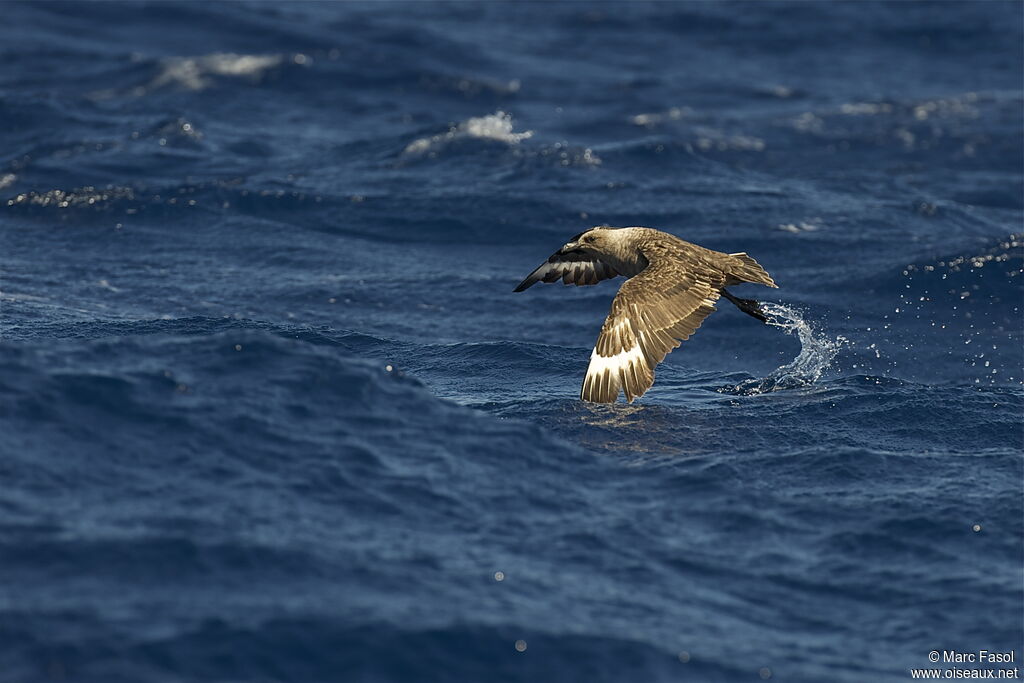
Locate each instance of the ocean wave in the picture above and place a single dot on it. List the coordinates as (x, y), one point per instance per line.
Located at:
(311, 645)
(199, 372)
(654, 118)
(949, 125)
(75, 198)
(563, 154)
(497, 126)
(197, 73)
(467, 86)
(270, 409)
(201, 72)
(971, 299)
(693, 419)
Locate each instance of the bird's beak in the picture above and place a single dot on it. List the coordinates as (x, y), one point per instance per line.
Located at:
(569, 246)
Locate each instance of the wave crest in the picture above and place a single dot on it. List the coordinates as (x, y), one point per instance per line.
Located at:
(497, 126)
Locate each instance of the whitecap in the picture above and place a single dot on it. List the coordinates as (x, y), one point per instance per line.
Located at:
(497, 126)
(194, 73)
(654, 118)
(63, 199)
(809, 225)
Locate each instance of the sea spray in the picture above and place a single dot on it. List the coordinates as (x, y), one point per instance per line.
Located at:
(817, 351)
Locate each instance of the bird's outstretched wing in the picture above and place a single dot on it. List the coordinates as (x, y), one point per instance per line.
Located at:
(572, 268)
(652, 313)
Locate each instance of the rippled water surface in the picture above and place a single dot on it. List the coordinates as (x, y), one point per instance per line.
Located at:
(270, 410)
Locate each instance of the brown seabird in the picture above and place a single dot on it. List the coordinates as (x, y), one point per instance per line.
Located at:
(672, 286)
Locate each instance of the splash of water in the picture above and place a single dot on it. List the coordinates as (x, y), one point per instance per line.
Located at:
(817, 351)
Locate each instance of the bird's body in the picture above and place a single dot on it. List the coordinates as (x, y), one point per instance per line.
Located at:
(672, 286)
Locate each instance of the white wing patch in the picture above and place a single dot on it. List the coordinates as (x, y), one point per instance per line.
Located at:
(608, 375)
(651, 315)
(617, 363)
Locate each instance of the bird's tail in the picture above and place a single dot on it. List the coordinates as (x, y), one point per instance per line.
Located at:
(749, 270)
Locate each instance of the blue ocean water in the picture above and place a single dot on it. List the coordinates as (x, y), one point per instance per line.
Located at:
(270, 410)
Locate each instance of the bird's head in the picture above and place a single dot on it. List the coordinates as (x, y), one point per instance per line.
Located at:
(596, 241)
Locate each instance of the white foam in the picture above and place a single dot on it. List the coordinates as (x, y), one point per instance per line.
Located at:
(194, 72)
(802, 226)
(715, 139)
(81, 196)
(497, 126)
(654, 118)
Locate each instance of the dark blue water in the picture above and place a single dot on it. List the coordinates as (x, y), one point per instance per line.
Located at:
(269, 410)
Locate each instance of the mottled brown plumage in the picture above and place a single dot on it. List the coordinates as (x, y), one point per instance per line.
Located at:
(673, 285)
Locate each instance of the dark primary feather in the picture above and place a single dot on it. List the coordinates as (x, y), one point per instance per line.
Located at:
(572, 268)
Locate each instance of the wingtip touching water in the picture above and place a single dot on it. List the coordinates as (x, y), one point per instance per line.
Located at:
(671, 287)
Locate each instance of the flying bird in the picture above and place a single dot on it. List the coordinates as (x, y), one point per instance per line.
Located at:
(671, 286)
